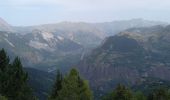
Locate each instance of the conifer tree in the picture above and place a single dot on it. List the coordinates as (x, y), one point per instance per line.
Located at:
(4, 64)
(122, 93)
(74, 88)
(4, 60)
(159, 94)
(70, 88)
(13, 79)
(57, 86)
(18, 81)
(139, 96)
(85, 92)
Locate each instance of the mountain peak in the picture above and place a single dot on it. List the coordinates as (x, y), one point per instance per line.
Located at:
(3, 22)
(4, 26)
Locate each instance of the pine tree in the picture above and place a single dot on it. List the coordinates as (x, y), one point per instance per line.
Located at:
(74, 88)
(70, 88)
(4, 64)
(139, 96)
(159, 94)
(85, 92)
(18, 87)
(57, 86)
(4, 60)
(13, 79)
(122, 93)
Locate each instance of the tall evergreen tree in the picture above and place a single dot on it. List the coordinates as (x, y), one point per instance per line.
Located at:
(18, 88)
(4, 60)
(74, 88)
(4, 64)
(85, 92)
(159, 94)
(57, 86)
(120, 93)
(139, 96)
(13, 79)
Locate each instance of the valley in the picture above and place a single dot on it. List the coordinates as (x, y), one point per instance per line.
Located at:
(131, 52)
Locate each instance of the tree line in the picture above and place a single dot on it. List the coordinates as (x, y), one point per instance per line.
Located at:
(13, 79)
(123, 93)
(14, 86)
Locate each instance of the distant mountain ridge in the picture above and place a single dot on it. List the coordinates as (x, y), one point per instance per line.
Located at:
(129, 57)
(81, 32)
(132, 51)
(54, 44)
(93, 32)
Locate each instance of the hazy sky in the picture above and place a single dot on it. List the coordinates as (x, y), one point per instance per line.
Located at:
(30, 12)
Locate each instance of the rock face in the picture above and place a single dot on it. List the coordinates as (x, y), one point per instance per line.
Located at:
(39, 49)
(129, 57)
(117, 59)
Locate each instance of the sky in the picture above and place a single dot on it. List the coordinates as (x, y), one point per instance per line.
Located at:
(35, 12)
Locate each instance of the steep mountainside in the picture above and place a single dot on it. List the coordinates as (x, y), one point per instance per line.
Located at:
(4, 26)
(39, 48)
(129, 57)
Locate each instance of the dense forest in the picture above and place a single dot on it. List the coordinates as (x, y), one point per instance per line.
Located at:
(14, 86)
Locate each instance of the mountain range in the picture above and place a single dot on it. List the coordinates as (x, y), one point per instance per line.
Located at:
(128, 51)
(131, 57)
(50, 45)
